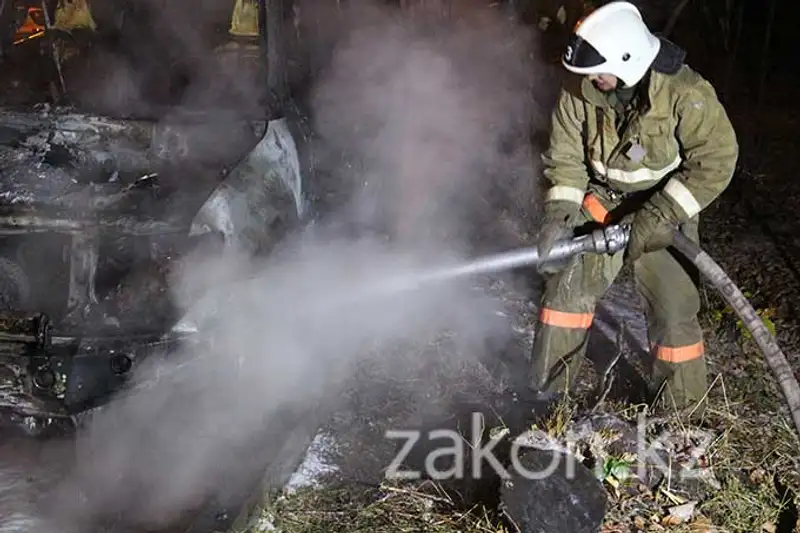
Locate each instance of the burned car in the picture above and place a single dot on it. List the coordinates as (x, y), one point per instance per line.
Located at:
(100, 202)
(94, 212)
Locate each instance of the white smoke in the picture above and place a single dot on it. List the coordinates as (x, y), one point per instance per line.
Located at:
(439, 116)
(28, 469)
(428, 113)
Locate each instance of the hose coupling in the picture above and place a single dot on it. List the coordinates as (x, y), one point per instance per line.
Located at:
(611, 239)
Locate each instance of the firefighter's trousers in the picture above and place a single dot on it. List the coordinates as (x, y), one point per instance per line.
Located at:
(668, 288)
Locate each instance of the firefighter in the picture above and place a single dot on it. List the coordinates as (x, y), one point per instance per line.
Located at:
(637, 137)
(243, 32)
(73, 15)
(244, 19)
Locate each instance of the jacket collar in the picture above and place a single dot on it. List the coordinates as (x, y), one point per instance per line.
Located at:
(655, 84)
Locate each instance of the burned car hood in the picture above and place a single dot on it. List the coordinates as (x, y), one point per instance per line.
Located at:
(64, 161)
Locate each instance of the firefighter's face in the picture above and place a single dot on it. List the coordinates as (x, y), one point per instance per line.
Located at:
(604, 82)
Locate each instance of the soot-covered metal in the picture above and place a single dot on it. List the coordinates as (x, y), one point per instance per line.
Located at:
(94, 215)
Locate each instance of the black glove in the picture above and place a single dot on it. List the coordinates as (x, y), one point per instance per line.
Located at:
(558, 223)
(650, 231)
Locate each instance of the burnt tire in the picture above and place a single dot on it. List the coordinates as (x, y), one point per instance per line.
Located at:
(15, 287)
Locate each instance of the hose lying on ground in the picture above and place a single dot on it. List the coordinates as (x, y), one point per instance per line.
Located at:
(742, 307)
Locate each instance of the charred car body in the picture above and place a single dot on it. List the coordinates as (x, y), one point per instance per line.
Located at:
(95, 212)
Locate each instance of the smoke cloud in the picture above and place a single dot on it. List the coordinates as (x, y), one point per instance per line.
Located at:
(161, 54)
(423, 126)
(439, 115)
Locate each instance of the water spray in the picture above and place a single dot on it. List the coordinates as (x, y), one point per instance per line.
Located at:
(607, 240)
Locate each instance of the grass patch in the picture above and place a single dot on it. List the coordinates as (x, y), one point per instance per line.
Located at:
(754, 459)
(389, 508)
(558, 421)
(742, 506)
(752, 450)
(757, 448)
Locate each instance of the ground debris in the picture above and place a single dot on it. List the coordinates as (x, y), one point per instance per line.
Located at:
(549, 493)
(683, 513)
(387, 508)
(622, 454)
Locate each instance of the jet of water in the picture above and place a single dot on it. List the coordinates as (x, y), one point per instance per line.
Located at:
(372, 288)
(607, 240)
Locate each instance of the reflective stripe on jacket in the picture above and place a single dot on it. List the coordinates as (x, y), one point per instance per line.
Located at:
(682, 132)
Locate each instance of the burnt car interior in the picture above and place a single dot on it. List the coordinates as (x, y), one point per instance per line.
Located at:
(98, 204)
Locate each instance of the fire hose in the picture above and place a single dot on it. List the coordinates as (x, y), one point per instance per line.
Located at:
(614, 238)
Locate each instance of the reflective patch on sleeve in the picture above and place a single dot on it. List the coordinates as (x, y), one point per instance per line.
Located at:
(565, 192)
(596, 210)
(682, 196)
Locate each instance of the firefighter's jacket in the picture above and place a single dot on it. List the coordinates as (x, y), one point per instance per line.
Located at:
(677, 141)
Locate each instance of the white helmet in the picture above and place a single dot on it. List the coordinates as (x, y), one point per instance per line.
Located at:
(613, 39)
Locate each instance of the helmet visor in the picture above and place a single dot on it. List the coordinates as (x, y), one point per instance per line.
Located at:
(580, 54)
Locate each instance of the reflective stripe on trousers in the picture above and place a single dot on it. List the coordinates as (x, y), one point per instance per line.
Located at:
(563, 319)
(671, 301)
(679, 354)
(668, 354)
